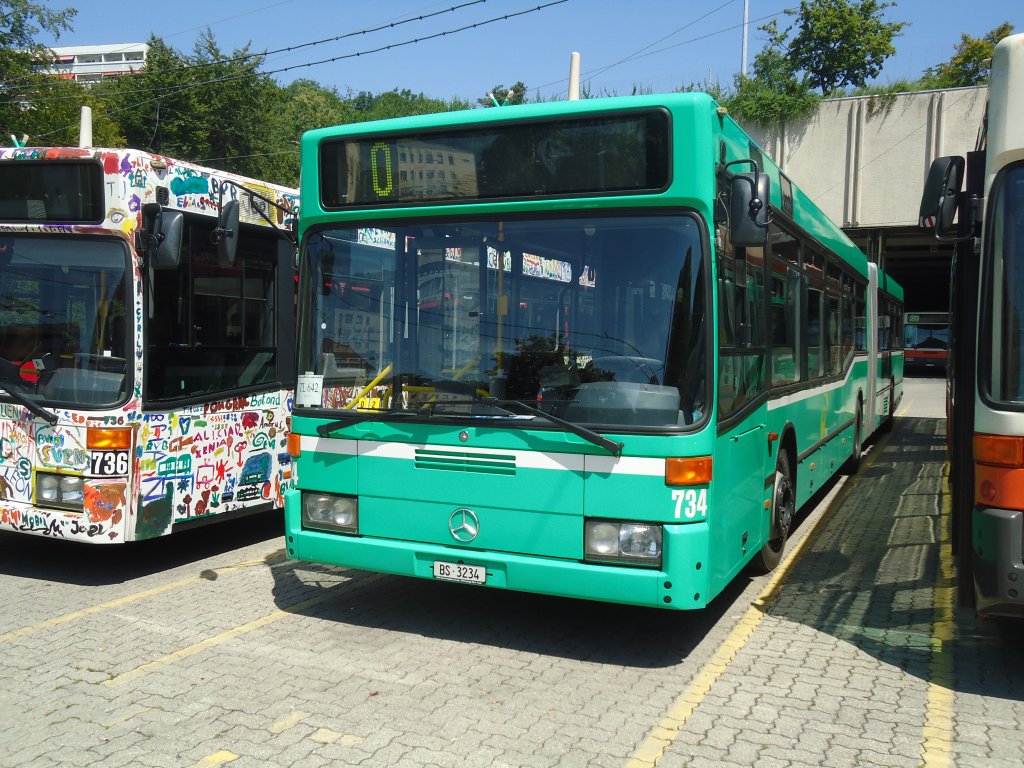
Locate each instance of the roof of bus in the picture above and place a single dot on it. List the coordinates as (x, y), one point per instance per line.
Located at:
(190, 187)
(805, 212)
(1005, 133)
(127, 157)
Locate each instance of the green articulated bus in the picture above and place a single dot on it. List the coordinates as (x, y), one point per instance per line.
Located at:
(602, 349)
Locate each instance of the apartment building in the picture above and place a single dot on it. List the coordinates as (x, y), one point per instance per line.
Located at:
(92, 63)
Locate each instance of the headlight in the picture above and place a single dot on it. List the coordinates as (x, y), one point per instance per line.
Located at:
(63, 491)
(328, 512)
(609, 541)
(71, 490)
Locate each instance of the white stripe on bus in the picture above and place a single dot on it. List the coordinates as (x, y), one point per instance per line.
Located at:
(574, 462)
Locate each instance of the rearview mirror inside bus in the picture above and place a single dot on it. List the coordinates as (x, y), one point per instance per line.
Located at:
(941, 188)
(226, 234)
(748, 219)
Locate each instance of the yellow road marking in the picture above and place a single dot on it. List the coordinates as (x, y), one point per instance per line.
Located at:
(117, 603)
(293, 719)
(223, 637)
(217, 758)
(662, 736)
(127, 716)
(327, 736)
(937, 740)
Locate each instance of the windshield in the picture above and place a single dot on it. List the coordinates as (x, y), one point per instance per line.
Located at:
(63, 324)
(1005, 250)
(926, 336)
(593, 320)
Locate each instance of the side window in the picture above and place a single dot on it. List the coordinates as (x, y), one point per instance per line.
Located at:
(814, 265)
(211, 329)
(741, 335)
(835, 319)
(785, 291)
(860, 341)
(848, 318)
(884, 324)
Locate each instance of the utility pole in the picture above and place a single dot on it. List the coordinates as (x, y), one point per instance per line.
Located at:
(746, 21)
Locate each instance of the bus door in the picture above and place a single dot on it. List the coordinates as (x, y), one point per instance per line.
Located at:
(742, 449)
(217, 353)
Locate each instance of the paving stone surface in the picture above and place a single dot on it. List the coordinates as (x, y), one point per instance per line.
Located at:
(213, 649)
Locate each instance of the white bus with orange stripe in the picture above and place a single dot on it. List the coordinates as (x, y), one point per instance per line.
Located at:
(986, 371)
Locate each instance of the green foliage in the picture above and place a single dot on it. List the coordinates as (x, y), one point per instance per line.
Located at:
(773, 93)
(840, 42)
(20, 24)
(970, 64)
(53, 116)
(206, 107)
(401, 104)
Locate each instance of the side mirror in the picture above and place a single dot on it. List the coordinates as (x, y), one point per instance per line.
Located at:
(226, 233)
(162, 236)
(941, 188)
(748, 209)
(168, 231)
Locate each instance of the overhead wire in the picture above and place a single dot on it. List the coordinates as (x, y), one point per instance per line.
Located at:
(642, 55)
(292, 48)
(228, 78)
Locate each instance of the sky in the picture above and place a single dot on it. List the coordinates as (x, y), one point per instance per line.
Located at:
(464, 48)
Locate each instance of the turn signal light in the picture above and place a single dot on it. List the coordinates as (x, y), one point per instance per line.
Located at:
(999, 450)
(294, 441)
(694, 470)
(106, 439)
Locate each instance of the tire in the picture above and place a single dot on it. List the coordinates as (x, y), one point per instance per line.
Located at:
(783, 511)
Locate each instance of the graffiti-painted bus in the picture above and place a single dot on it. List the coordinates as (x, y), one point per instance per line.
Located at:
(146, 325)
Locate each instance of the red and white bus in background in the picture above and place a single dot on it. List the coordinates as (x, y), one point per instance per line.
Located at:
(925, 340)
(146, 325)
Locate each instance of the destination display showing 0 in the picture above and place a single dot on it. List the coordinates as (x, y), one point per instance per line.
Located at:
(603, 154)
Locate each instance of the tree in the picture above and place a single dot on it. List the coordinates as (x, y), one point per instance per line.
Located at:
(20, 24)
(971, 63)
(305, 105)
(54, 111)
(402, 103)
(208, 108)
(773, 93)
(841, 42)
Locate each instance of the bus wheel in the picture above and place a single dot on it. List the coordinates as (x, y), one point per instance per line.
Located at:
(783, 510)
(853, 463)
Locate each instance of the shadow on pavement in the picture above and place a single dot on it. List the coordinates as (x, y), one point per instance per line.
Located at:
(36, 557)
(868, 575)
(602, 633)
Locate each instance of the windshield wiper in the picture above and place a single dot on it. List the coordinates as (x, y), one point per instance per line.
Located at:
(12, 389)
(324, 430)
(614, 448)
